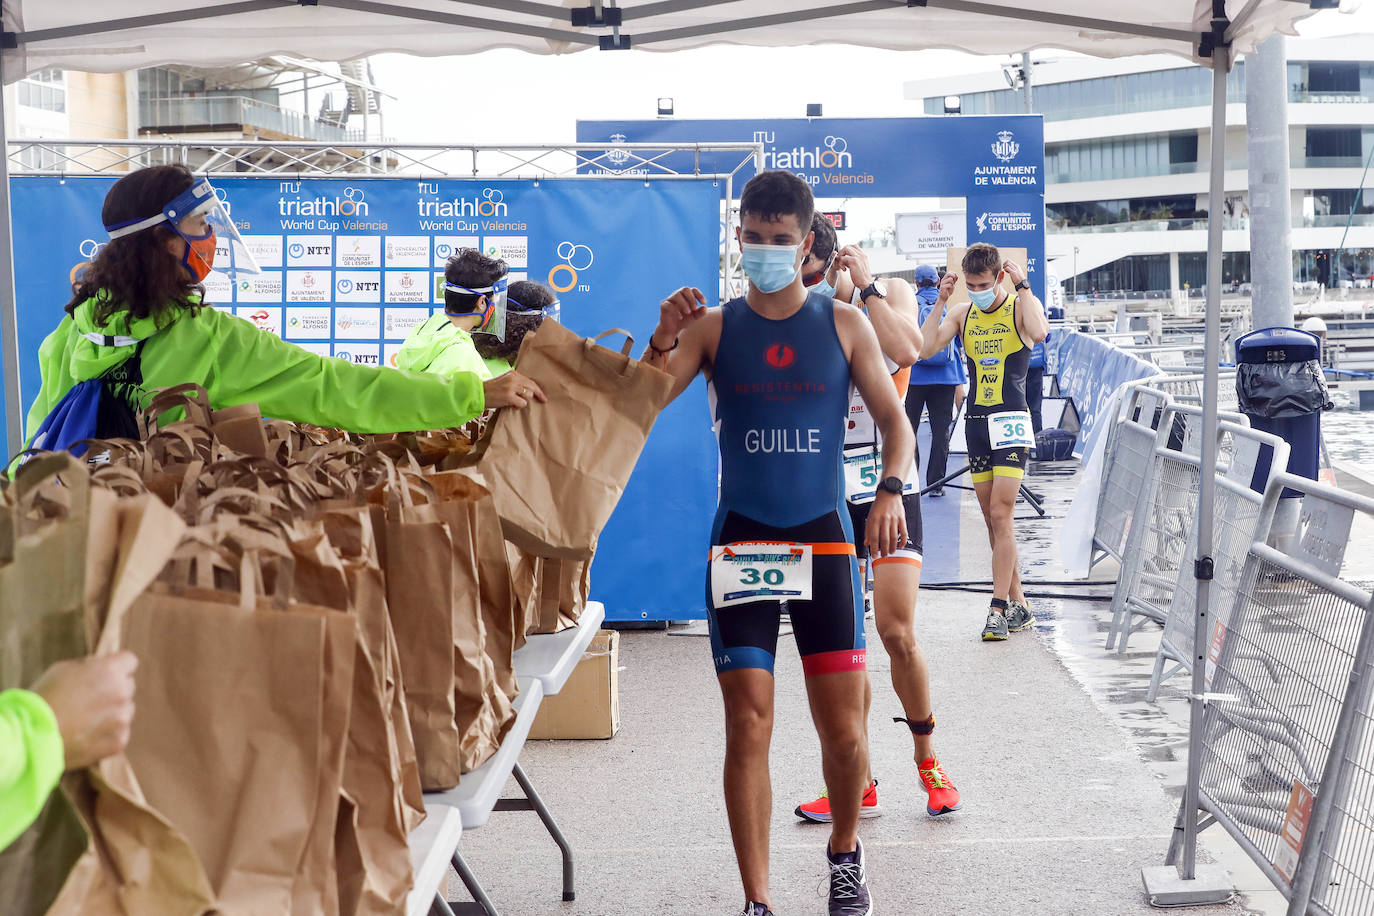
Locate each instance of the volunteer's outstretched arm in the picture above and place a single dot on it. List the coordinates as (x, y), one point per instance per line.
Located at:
(678, 344)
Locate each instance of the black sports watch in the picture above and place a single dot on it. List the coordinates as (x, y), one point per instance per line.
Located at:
(892, 485)
(1024, 284)
(872, 290)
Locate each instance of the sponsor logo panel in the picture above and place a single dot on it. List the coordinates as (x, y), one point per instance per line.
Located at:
(309, 250)
(357, 286)
(446, 246)
(407, 251)
(513, 249)
(358, 251)
(360, 354)
(400, 322)
(266, 317)
(358, 323)
(309, 323)
(309, 286)
(267, 250)
(263, 287)
(407, 285)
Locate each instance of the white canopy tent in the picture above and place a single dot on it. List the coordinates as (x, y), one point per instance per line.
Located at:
(102, 36)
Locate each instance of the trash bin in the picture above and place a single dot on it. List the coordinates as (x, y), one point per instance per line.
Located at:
(1282, 390)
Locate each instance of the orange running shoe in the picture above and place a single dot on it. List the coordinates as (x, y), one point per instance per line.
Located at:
(941, 796)
(818, 811)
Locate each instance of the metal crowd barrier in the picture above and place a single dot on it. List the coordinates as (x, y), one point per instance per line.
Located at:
(1126, 463)
(1287, 737)
(1243, 514)
(1158, 532)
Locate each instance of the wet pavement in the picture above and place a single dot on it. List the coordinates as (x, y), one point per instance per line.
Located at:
(1071, 779)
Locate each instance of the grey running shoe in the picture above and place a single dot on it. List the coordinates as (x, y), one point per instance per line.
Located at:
(996, 628)
(849, 884)
(756, 909)
(1019, 617)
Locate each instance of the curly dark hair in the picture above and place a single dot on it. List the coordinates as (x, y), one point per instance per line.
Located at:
(136, 273)
(523, 296)
(826, 240)
(469, 267)
(775, 193)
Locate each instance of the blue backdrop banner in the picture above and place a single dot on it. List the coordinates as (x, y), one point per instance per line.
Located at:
(995, 162)
(1089, 369)
(350, 266)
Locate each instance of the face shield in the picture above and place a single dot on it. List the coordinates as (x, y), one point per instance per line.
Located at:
(551, 311)
(494, 315)
(219, 245)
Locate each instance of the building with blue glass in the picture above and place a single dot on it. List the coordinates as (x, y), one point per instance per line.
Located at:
(1127, 145)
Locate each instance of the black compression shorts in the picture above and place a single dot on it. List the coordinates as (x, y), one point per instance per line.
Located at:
(829, 628)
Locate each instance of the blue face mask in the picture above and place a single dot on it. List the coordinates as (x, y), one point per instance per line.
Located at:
(770, 267)
(824, 288)
(983, 298)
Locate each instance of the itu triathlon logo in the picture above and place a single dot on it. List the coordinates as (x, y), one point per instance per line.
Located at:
(575, 258)
(1006, 148)
(780, 356)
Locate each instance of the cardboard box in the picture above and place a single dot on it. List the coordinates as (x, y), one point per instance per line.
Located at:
(588, 706)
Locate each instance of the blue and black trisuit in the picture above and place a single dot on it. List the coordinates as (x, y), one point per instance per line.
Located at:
(780, 400)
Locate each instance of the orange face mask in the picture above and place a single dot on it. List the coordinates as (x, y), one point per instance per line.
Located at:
(200, 255)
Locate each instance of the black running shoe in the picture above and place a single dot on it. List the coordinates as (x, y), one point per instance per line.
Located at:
(756, 909)
(1019, 617)
(849, 883)
(996, 628)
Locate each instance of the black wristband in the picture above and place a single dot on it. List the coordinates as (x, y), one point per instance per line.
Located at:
(658, 352)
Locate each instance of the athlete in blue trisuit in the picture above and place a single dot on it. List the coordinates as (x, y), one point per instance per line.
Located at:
(780, 362)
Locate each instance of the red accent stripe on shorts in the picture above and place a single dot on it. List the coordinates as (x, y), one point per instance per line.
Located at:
(832, 662)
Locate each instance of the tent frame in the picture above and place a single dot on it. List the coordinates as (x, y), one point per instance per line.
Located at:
(1211, 44)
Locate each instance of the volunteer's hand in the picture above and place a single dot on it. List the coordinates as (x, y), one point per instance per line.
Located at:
(855, 260)
(93, 700)
(676, 312)
(512, 390)
(1014, 272)
(886, 529)
(947, 287)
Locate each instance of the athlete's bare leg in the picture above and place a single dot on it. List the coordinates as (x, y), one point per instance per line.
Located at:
(895, 589)
(997, 499)
(748, 695)
(837, 706)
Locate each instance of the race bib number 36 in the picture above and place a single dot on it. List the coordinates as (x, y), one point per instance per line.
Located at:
(741, 573)
(1011, 430)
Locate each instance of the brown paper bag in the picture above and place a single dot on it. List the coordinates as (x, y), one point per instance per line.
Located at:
(417, 556)
(244, 707)
(557, 470)
(483, 709)
(238, 428)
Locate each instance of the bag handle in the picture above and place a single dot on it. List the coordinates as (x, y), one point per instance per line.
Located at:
(46, 468)
(189, 396)
(624, 351)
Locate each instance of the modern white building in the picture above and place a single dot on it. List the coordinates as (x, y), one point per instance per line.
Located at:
(1127, 144)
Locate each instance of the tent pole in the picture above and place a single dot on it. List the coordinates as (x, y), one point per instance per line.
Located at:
(1202, 624)
(9, 308)
(1187, 883)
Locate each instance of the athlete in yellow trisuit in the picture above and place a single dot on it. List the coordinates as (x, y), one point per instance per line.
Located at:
(998, 329)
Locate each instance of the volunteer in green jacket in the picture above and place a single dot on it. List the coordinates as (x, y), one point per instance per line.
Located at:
(528, 303)
(475, 289)
(144, 287)
(78, 713)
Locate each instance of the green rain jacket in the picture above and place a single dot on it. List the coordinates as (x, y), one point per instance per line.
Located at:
(439, 348)
(496, 366)
(31, 760)
(239, 364)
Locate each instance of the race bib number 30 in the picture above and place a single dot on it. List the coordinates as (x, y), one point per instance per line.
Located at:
(741, 573)
(1011, 430)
